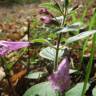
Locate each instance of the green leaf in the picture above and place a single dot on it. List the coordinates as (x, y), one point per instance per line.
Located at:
(80, 36)
(44, 89)
(73, 27)
(50, 53)
(77, 25)
(77, 90)
(34, 75)
(41, 89)
(40, 40)
(67, 29)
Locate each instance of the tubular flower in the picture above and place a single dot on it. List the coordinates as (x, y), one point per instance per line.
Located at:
(60, 80)
(7, 46)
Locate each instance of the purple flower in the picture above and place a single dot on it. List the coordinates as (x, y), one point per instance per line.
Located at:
(45, 11)
(46, 19)
(8, 46)
(60, 80)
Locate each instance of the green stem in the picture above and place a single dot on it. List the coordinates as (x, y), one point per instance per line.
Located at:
(89, 66)
(57, 51)
(59, 39)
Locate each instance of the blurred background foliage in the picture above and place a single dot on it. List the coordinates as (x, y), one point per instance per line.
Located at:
(19, 1)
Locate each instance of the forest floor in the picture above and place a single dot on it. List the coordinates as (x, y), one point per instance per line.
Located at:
(11, 13)
(15, 12)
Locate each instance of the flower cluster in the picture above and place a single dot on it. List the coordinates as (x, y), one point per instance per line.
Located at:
(9, 46)
(60, 80)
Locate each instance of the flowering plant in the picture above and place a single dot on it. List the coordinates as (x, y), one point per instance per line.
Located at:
(58, 73)
(59, 77)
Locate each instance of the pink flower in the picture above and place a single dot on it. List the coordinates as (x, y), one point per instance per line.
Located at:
(46, 19)
(7, 46)
(60, 80)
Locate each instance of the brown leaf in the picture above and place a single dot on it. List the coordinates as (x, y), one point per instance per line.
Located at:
(16, 77)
